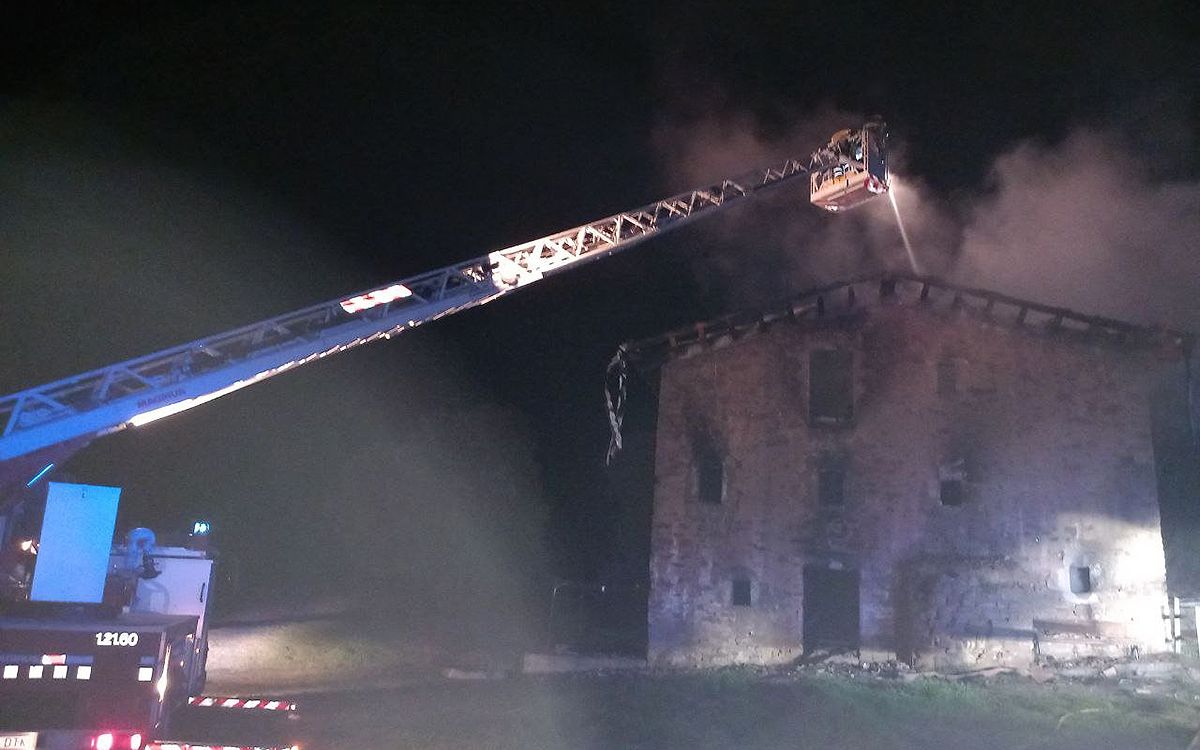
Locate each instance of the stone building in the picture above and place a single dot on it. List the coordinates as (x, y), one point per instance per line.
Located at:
(911, 470)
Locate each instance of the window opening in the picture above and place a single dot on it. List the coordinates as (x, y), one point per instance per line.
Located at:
(710, 473)
(952, 482)
(830, 386)
(952, 492)
(831, 484)
(1081, 579)
(741, 592)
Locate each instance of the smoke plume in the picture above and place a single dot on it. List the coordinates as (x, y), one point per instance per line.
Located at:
(1087, 222)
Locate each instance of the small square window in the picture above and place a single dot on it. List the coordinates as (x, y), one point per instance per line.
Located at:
(1081, 579)
(952, 492)
(741, 592)
(831, 485)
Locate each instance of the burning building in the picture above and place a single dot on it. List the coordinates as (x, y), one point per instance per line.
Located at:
(910, 470)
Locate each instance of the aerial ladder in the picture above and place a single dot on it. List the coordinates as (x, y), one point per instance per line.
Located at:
(68, 675)
(42, 426)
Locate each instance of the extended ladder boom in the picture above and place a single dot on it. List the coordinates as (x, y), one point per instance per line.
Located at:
(142, 390)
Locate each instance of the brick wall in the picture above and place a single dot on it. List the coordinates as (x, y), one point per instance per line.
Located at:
(1050, 435)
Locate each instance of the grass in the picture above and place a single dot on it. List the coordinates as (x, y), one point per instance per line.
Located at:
(744, 709)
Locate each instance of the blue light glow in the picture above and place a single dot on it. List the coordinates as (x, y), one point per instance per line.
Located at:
(39, 475)
(201, 528)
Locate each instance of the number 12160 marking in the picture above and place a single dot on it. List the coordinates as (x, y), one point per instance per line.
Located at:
(116, 639)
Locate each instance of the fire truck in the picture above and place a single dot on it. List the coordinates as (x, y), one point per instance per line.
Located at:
(102, 646)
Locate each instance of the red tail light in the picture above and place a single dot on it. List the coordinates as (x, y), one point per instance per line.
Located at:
(103, 741)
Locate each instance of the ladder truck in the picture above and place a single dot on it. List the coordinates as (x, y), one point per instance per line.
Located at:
(58, 654)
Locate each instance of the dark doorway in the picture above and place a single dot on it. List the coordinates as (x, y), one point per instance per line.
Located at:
(830, 608)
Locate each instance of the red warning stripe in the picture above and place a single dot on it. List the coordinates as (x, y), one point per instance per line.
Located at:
(175, 745)
(261, 704)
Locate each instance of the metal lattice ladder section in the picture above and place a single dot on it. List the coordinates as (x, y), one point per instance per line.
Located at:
(141, 390)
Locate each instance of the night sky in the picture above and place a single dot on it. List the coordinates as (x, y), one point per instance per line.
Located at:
(174, 173)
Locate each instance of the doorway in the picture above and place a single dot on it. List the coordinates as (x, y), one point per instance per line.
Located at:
(830, 608)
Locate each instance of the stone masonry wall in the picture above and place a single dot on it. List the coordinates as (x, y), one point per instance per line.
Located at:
(1051, 434)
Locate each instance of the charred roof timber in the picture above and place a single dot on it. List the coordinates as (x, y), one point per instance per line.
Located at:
(841, 298)
(922, 291)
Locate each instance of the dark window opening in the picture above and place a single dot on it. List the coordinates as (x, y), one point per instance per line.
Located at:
(710, 474)
(952, 482)
(1081, 579)
(741, 592)
(830, 386)
(952, 492)
(947, 377)
(831, 485)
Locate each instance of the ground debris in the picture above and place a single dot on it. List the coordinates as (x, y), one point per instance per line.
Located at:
(1160, 667)
(1160, 675)
(844, 666)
